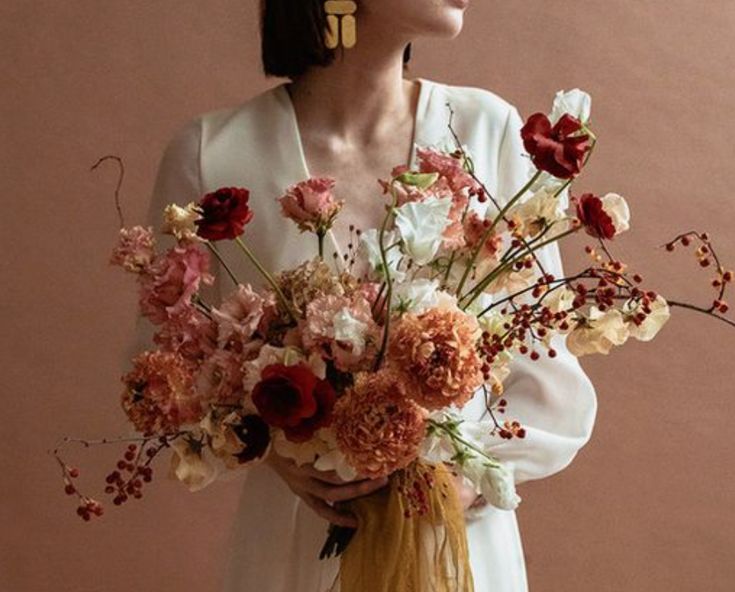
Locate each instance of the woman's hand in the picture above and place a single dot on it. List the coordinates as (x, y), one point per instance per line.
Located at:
(468, 499)
(323, 490)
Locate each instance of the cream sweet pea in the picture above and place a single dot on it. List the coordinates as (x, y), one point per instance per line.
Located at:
(598, 333)
(575, 102)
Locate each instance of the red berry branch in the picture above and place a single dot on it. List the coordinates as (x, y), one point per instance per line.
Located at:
(126, 481)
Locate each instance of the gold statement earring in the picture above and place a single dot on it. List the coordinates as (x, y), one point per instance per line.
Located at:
(341, 23)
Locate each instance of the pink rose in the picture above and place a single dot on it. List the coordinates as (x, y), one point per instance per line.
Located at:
(311, 204)
(167, 288)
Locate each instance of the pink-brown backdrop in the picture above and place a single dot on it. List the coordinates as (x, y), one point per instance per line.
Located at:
(645, 507)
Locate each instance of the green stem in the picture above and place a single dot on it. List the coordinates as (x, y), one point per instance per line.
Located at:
(222, 261)
(268, 277)
(502, 268)
(388, 277)
(490, 229)
(453, 435)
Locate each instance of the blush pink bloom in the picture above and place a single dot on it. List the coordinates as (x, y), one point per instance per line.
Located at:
(343, 330)
(191, 334)
(135, 249)
(172, 279)
(239, 317)
(311, 204)
(159, 394)
(377, 426)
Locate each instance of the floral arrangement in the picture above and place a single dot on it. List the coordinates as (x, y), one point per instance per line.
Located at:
(363, 370)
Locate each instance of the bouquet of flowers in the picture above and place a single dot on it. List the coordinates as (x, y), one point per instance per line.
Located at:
(362, 369)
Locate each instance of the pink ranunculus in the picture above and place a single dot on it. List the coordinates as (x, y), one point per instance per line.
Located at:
(167, 288)
(135, 249)
(311, 204)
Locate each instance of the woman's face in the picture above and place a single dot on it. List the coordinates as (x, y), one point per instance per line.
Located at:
(415, 18)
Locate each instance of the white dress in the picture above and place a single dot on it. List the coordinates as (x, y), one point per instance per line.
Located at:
(275, 538)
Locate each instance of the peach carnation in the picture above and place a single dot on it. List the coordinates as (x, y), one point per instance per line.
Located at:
(159, 396)
(377, 426)
(437, 355)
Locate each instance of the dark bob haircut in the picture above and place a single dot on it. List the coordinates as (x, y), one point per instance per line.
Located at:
(292, 37)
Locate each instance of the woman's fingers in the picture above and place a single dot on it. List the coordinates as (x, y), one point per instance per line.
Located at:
(340, 493)
(333, 515)
(326, 476)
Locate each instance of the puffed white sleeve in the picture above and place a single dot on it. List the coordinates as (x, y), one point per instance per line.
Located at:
(178, 180)
(552, 398)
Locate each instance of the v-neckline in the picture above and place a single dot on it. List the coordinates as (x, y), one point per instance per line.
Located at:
(418, 135)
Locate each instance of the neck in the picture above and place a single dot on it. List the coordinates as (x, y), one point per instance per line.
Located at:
(361, 89)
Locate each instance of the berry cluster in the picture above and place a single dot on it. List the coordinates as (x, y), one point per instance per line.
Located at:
(706, 255)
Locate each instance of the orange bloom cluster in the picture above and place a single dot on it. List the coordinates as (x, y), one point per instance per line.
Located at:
(436, 353)
(377, 425)
(159, 396)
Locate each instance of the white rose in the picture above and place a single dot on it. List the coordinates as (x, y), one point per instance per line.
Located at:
(659, 315)
(421, 225)
(599, 333)
(575, 102)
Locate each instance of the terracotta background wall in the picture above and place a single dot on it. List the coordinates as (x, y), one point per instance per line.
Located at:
(647, 506)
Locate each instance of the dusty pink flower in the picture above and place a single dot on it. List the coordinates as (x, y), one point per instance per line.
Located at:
(311, 204)
(449, 167)
(159, 396)
(171, 281)
(239, 317)
(343, 329)
(436, 353)
(220, 378)
(135, 249)
(377, 426)
(190, 334)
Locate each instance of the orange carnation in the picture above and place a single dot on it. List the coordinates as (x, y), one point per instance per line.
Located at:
(436, 353)
(377, 425)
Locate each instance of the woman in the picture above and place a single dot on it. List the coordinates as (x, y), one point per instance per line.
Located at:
(352, 115)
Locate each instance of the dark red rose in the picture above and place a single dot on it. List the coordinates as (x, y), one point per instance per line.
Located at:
(255, 434)
(225, 213)
(554, 149)
(294, 399)
(592, 214)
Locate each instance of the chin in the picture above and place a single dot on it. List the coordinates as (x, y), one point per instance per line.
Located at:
(425, 18)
